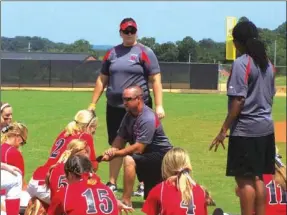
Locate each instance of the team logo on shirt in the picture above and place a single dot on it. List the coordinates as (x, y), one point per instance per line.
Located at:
(133, 58)
(92, 181)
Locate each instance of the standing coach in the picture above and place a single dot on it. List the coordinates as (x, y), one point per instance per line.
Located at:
(127, 64)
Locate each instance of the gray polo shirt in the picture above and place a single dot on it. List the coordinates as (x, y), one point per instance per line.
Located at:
(146, 129)
(258, 89)
(127, 66)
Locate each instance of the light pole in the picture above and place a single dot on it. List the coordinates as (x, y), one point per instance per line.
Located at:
(275, 50)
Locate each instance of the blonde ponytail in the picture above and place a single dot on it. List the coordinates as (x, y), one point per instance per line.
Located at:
(75, 146)
(176, 168)
(71, 128)
(14, 129)
(64, 157)
(280, 173)
(185, 185)
(82, 120)
(3, 138)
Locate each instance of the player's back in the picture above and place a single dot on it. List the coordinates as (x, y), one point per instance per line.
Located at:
(89, 196)
(57, 178)
(58, 148)
(166, 199)
(12, 156)
(276, 201)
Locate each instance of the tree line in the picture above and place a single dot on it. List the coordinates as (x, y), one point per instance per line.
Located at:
(187, 49)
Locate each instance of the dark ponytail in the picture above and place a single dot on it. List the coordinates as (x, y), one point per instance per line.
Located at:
(246, 34)
(77, 165)
(256, 49)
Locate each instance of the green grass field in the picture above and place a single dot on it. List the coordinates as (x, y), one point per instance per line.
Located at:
(192, 121)
(280, 81)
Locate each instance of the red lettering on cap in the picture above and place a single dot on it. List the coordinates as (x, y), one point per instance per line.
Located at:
(128, 24)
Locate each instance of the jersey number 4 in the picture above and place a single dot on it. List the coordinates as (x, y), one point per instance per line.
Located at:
(271, 186)
(59, 144)
(105, 203)
(189, 207)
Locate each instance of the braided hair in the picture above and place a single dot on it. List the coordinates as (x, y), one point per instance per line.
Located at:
(246, 34)
(78, 165)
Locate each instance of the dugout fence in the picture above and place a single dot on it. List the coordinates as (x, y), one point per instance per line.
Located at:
(78, 74)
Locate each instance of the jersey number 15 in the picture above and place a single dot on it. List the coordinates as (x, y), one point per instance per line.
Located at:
(105, 203)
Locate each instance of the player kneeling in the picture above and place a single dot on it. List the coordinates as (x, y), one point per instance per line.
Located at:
(82, 127)
(85, 193)
(56, 178)
(178, 194)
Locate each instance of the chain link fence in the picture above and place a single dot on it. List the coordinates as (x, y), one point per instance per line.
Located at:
(224, 72)
(78, 74)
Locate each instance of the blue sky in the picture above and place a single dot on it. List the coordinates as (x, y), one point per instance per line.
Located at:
(98, 22)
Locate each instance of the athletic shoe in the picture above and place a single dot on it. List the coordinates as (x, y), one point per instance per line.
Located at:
(113, 187)
(140, 191)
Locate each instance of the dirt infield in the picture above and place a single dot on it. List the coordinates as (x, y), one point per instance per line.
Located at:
(280, 90)
(280, 131)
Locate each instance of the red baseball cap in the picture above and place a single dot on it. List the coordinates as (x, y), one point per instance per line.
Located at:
(127, 24)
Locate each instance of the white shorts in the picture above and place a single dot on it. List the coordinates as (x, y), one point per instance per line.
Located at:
(25, 198)
(12, 184)
(39, 191)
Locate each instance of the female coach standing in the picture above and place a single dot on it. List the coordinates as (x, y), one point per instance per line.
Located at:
(251, 148)
(127, 64)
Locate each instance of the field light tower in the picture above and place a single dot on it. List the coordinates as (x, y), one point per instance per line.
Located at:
(229, 47)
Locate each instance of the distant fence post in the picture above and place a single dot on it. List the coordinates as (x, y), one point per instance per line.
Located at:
(73, 76)
(19, 75)
(50, 72)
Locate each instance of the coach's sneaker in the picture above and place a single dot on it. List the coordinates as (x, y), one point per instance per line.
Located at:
(113, 187)
(140, 190)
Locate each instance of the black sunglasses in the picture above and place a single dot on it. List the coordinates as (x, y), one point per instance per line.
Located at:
(130, 31)
(23, 141)
(127, 99)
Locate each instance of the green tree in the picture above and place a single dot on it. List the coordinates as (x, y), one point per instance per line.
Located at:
(243, 19)
(79, 46)
(167, 52)
(148, 41)
(186, 47)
